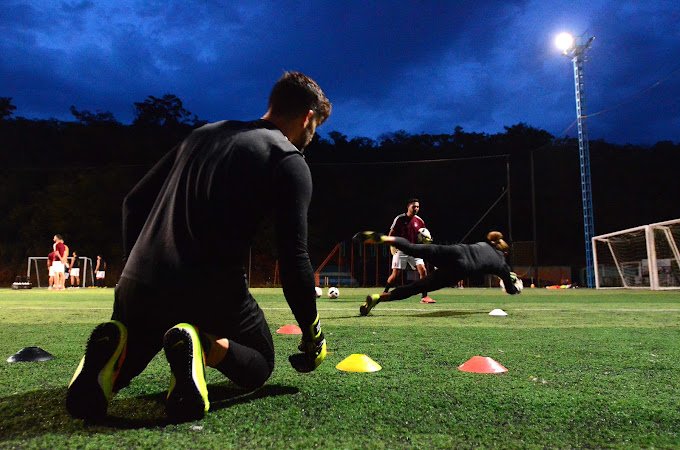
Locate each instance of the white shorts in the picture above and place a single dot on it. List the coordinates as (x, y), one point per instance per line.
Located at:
(100, 275)
(400, 260)
(75, 271)
(58, 267)
(52, 270)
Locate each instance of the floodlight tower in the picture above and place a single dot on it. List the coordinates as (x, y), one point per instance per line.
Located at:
(575, 48)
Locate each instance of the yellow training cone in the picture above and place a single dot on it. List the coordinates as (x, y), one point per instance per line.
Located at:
(358, 363)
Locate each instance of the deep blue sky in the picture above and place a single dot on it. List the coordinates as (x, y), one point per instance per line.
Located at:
(419, 66)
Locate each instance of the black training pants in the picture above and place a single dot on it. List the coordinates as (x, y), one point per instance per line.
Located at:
(148, 314)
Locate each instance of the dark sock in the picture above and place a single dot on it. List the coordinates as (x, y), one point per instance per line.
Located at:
(245, 366)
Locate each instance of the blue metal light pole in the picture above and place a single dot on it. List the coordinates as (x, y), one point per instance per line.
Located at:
(576, 51)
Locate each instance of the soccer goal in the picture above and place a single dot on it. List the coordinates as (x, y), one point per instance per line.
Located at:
(37, 270)
(644, 257)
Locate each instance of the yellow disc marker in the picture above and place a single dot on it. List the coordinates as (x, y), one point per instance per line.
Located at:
(358, 363)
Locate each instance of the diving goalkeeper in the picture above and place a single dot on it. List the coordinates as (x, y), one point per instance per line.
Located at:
(452, 262)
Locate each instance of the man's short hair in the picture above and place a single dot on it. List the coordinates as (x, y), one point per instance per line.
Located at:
(58, 236)
(295, 94)
(412, 200)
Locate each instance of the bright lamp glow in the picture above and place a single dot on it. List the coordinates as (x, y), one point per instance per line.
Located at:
(564, 41)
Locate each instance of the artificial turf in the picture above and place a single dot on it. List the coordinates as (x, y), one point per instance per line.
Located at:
(586, 368)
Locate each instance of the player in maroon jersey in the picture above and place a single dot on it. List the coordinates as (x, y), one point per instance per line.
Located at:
(50, 269)
(406, 225)
(60, 261)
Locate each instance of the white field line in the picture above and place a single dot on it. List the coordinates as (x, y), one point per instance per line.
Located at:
(424, 308)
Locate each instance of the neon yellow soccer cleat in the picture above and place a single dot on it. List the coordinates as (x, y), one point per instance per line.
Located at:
(91, 387)
(369, 304)
(188, 393)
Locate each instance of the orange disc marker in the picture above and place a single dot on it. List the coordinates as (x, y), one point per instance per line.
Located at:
(482, 364)
(289, 329)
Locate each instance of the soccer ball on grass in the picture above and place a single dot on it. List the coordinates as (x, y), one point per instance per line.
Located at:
(318, 291)
(333, 292)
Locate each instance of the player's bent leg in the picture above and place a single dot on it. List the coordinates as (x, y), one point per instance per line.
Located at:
(246, 366)
(249, 360)
(92, 385)
(434, 281)
(188, 393)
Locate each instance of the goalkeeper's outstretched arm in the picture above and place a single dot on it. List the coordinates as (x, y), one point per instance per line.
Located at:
(509, 280)
(297, 275)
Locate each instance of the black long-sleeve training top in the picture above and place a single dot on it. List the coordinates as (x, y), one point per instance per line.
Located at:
(462, 260)
(193, 217)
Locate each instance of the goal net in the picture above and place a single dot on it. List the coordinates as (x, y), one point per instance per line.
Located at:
(644, 257)
(38, 274)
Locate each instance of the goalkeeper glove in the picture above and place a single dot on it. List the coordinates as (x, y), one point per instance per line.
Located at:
(517, 284)
(313, 348)
(369, 237)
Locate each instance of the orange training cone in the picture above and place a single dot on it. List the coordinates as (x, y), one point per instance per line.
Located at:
(482, 364)
(289, 329)
(358, 363)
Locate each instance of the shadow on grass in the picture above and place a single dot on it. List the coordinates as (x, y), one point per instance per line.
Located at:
(131, 413)
(31, 414)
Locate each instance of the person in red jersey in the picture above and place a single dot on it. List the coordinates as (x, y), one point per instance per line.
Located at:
(406, 225)
(60, 261)
(50, 269)
(194, 216)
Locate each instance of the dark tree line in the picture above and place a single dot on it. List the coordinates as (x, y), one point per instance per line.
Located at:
(70, 178)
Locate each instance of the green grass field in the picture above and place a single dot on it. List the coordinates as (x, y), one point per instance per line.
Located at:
(585, 369)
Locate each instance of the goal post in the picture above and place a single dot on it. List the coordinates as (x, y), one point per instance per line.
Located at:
(36, 269)
(644, 257)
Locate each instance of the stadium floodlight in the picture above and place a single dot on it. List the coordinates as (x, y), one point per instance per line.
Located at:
(564, 42)
(575, 48)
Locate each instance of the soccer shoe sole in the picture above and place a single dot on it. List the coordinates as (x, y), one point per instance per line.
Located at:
(91, 387)
(188, 394)
(367, 306)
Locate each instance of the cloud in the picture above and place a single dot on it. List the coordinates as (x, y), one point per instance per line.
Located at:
(423, 66)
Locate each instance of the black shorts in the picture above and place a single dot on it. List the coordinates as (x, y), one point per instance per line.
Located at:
(148, 313)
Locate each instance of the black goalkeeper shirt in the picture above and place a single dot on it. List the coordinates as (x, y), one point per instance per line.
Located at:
(191, 220)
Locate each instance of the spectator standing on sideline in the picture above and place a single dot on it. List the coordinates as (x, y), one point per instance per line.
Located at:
(50, 269)
(60, 262)
(100, 271)
(74, 269)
